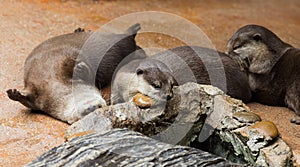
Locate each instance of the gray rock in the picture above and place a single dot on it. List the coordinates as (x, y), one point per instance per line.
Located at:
(197, 115)
(121, 147)
(275, 154)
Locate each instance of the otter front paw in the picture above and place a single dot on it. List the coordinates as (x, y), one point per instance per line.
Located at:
(79, 30)
(90, 109)
(295, 120)
(82, 71)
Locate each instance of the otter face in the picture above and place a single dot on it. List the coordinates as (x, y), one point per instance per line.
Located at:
(249, 47)
(155, 83)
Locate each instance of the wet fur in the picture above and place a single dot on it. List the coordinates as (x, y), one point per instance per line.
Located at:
(50, 81)
(138, 76)
(187, 66)
(102, 53)
(272, 67)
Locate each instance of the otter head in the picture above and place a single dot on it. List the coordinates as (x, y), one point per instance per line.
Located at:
(256, 49)
(155, 83)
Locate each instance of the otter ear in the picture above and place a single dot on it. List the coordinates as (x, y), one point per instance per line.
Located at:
(257, 37)
(139, 71)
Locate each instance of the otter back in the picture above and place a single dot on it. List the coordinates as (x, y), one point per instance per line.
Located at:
(207, 66)
(55, 80)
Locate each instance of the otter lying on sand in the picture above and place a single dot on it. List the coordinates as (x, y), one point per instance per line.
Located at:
(58, 84)
(272, 66)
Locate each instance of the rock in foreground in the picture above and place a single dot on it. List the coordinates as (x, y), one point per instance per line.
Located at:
(121, 147)
(197, 115)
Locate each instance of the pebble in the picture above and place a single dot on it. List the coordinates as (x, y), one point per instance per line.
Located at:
(246, 117)
(142, 101)
(266, 128)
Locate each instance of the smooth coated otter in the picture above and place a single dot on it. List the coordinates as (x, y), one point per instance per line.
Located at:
(206, 66)
(272, 66)
(147, 76)
(58, 84)
(102, 53)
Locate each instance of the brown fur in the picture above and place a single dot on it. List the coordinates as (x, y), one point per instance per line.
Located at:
(48, 76)
(146, 76)
(102, 53)
(206, 66)
(57, 83)
(271, 64)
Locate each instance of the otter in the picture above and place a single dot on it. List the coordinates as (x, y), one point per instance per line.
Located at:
(55, 77)
(102, 53)
(147, 76)
(181, 65)
(271, 65)
(206, 66)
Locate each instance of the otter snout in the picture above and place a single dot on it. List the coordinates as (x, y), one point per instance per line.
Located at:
(169, 95)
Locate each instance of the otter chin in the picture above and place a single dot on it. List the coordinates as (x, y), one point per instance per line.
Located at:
(271, 64)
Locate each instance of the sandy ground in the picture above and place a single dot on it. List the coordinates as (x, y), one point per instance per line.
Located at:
(26, 23)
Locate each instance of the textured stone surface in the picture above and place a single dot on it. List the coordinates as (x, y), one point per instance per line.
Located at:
(280, 116)
(196, 112)
(274, 154)
(189, 103)
(26, 23)
(121, 147)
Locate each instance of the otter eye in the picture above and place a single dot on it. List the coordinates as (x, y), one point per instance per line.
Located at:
(257, 37)
(139, 71)
(236, 47)
(156, 85)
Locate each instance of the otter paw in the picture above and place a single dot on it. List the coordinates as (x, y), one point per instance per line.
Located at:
(142, 101)
(81, 71)
(79, 30)
(89, 110)
(295, 120)
(14, 94)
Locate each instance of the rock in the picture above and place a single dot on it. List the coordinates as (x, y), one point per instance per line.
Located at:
(185, 110)
(121, 147)
(243, 142)
(276, 154)
(296, 161)
(246, 117)
(266, 128)
(197, 116)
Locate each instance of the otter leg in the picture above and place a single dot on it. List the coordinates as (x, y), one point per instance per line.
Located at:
(296, 120)
(79, 30)
(15, 95)
(292, 99)
(83, 72)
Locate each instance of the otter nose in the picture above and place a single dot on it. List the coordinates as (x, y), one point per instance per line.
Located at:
(169, 95)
